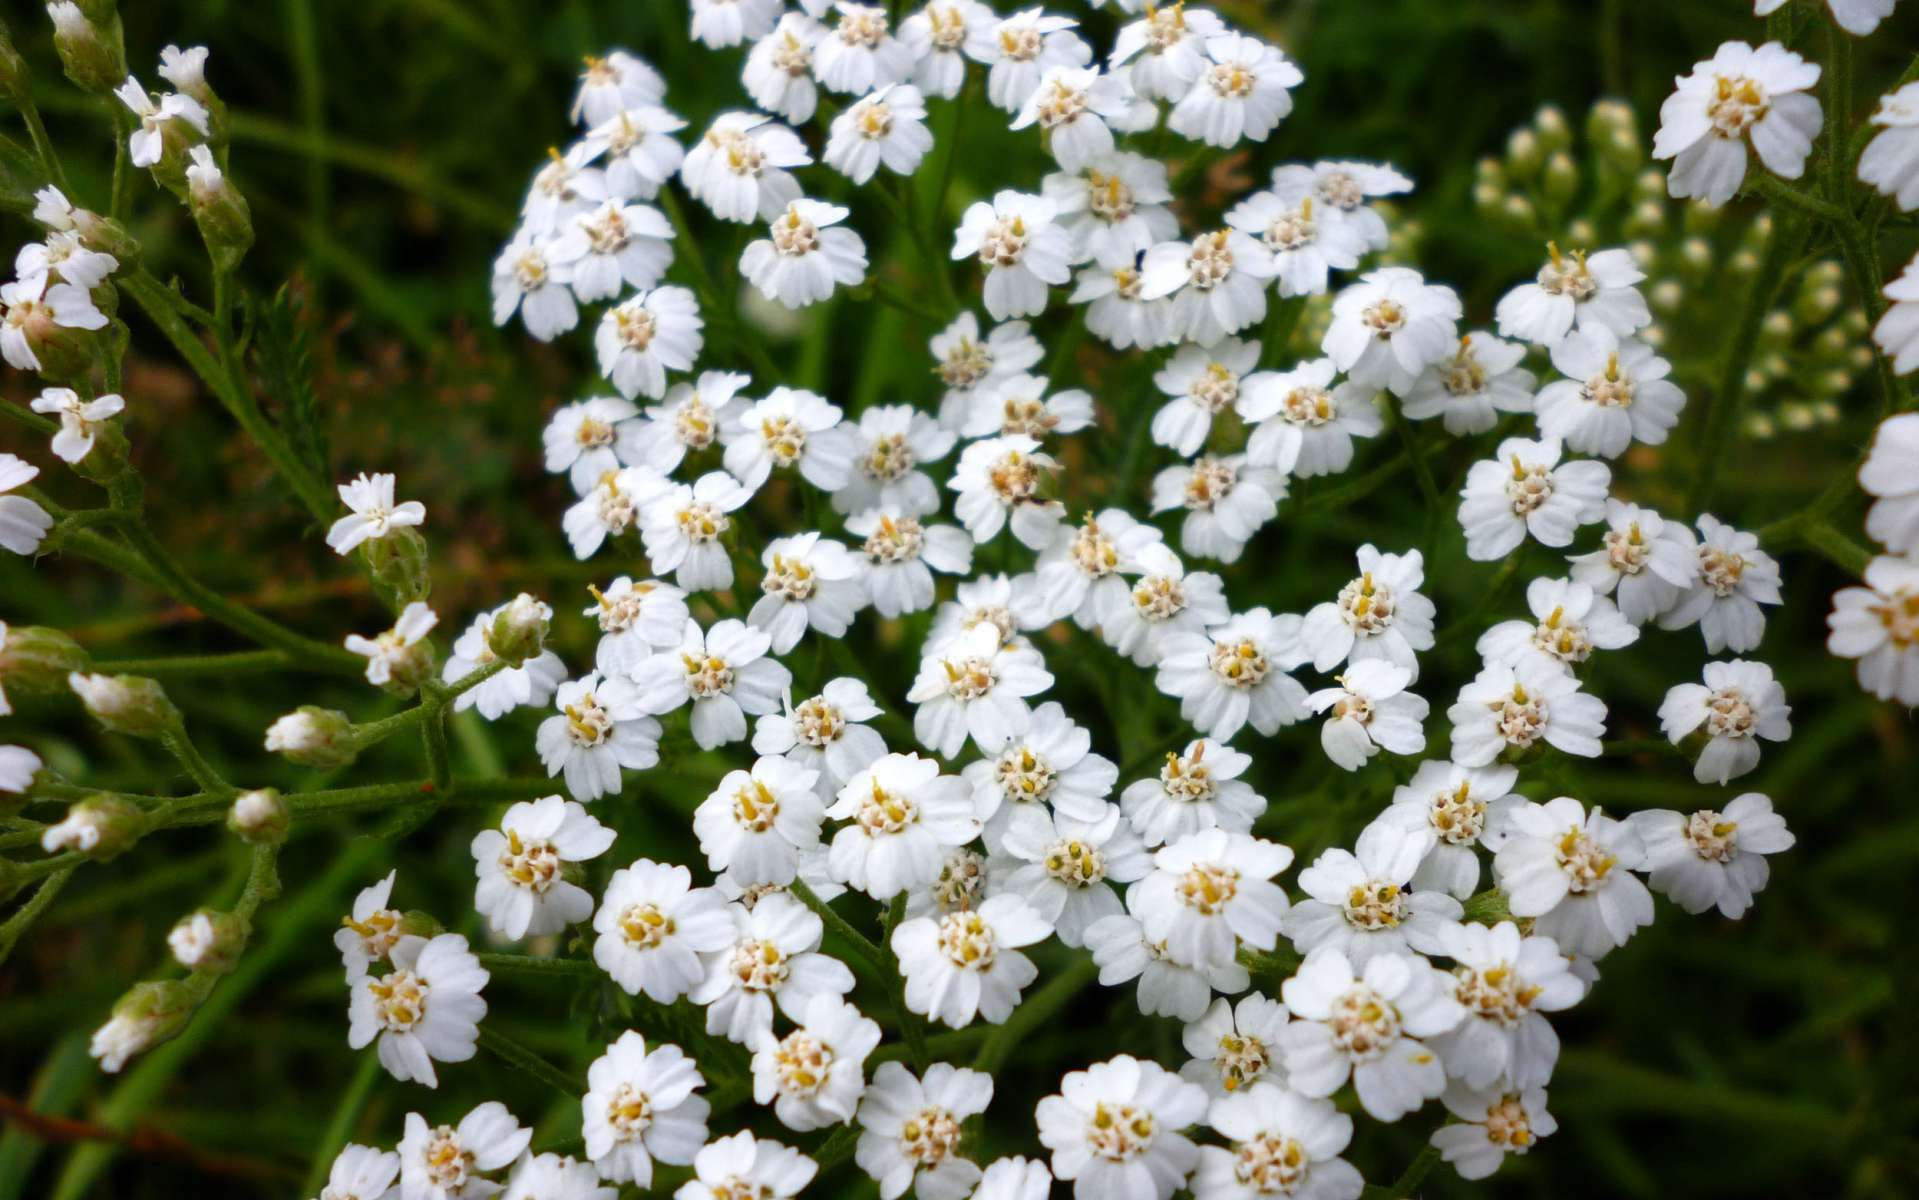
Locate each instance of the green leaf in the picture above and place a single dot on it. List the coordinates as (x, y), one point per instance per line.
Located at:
(20, 176)
(283, 354)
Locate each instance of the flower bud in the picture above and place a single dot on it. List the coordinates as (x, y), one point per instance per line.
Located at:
(186, 70)
(409, 667)
(314, 737)
(1561, 180)
(36, 659)
(129, 704)
(19, 767)
(100, 827)
(226, 225)
(397, 564)
(150, 1013)
(15, 79)
(1523, 154)
(259, 816)
(208, 940)
(519, 628)
(91, 48)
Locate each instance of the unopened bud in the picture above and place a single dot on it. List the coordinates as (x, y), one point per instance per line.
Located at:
(519, 628)
(1523, 154)
(314, 737)
(36, 659)
(150, 1013)
(18, 767)
(259, 816)
(100, 827)
(1561, 179)
(1519, 210)
(1703, 219)
(129, 704)
(208, 940)
(397, 564)
(1554, 133)
(226, 224)
(90, 47)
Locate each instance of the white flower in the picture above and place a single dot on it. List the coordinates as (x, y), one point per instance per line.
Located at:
(683, 528)
(78, 419)
(755, 825)
(1381, 615)
(1283, 1144)
(1615, 393)
(528, 280)
(1505, 982)
(1891, 473)
(1513, 707)
(861, 53)
(1305, 426)
(610, 507)
(805, 255)
(1592, 291)
(1370, 711)
(721, 23)
(1168, 987)
(1114, 1129)
(964, 880)
(723, 672)
(1198, 789)
(1712, 859)
(1217, 284)
(395, 648)
(368, 935)
(1117, 311)
(646, 335)
(1878, 624)
(1019, 406)
(901, 556)
(1212, 890)
(1306, 236)
(772, 957)
(968, 365)
(1739, 703)
(601, 727)
(1166, 49)
(886, 128)
(1227, 501)
(444, 1162)
(639, 1106)
(1469, 389)
(635, 619)
(687, 421)
(1572, 872)
(1390, 326)
(967, 964)
(904, 816)
(1114, 208)
(614, 244)
(1024, 47)
(588, 438)
(1857, 17)
(1361, 903)
(1072, 106)
(65, 254)
(1082, 574)
(521, 890)
(555, 1177)
(1460, 807)
(1046, 767)
(824, 733)
(999, 478)
(561, 190)
(1203, 383)
(809, 583)
(1022, 248)
(373, 514)
(1570, 623)
(977, 687)
(891, 442)
(910, 1130)
(1165, 600)
(1891, 160)
(778, 72)
(1366, 1025)
(617, 82)
(1345, 187)
(654, 927)
(942, 36)
(35, 309)
(361, 1173)
(148, 143)
(18, 766)
(794, 429)
(1234, 1046)
(427, 1008)
(1735, 578)
(1243, 91)
(742, 1165)
(1646, 563)
(1235, 674)
(636, 147)
(741, 168)
(814, 1076)
(1066, 864)
(1738, 93)
(23, 523)
(1491, 1125)
(1526, 489)
(531, 683)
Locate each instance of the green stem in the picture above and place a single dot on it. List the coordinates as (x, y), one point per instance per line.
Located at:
(340, 1127)
(1033, 1012)
(1416, 1172)
(23, 919)
(858, 942)
(522, 1059)
(42, 144)
(234, 663)
(545, 968)
(911, 1023)
(720, 315)
(180, 745)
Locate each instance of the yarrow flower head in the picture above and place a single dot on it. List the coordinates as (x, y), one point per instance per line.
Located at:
(640, 1108)
(1572, 872)
(1115, 1129)
(522, 889)
(1738, 95)
(910, 1130)
(426, 1009)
